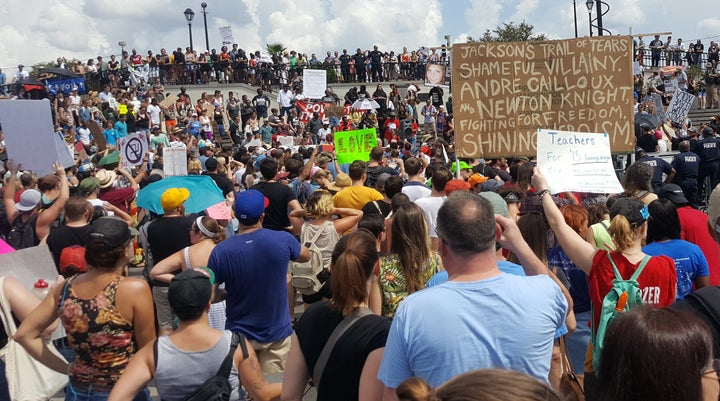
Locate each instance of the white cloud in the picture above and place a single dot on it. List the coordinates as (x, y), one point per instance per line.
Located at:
(482, 15)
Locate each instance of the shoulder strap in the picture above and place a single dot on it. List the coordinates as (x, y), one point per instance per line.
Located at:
(155, 353)
(341, 328)
(640, 268)
(377, 206)
(618, 276)
(186, 256)
(316, 236)
(225, 367)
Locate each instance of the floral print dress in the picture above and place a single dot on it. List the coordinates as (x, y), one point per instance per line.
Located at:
(102, 339)
(393, 284)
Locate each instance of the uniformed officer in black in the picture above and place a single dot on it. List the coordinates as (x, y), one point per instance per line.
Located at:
(708, 150)
(687, 165)
(659, 167)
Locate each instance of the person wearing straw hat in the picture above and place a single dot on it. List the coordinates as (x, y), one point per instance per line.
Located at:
(119, 197)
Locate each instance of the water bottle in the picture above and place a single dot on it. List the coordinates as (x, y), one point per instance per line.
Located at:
(41, 288)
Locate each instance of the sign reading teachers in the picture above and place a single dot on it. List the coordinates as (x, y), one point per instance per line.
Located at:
(679, 106)
(576, 161)
(354, 145)
(504, 92)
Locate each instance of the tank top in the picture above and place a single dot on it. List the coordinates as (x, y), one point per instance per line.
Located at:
(325, 242)
(179, 373)
(102, 339)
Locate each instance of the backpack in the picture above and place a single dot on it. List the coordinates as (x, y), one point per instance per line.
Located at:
(624, 295)
(22, 234)
(217, 387)
(309, 277)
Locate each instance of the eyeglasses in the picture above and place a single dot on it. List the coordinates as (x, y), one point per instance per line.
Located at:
(714, 370)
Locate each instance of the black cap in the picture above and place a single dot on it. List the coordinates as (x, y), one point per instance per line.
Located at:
(634, 210)
(707, 131)
(640, 152)
(673, 193)
(190, 290)
(211, 164)
(645, 126)
(112, 231)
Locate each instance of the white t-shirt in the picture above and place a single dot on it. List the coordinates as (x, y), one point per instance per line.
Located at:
(431, 206)
(154, 112)
(416, 190)
(84, 135)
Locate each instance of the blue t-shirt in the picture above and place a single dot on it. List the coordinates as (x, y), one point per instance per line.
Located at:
(504, 322)
(504, 266)
(254, 267)
(579, 287)
(111, 136)
(194, 128)
(121, 128)
(690, 262)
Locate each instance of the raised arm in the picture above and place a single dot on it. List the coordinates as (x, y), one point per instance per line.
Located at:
(42, 228)
(9, 193)
(348, 221)
(163, 270)
(579, 251)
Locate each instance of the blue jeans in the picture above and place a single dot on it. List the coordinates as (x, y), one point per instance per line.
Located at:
(577, 342)
(76, 394)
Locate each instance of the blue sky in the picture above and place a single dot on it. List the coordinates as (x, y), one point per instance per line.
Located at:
(40, 30)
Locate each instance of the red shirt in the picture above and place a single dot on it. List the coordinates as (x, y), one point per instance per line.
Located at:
(694, 228)
(658, 281)
(119, 197)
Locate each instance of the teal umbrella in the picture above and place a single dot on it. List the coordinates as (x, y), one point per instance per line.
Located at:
(203, 193)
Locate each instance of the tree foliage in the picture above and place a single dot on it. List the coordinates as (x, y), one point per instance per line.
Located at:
(511, 32)
(275, 49)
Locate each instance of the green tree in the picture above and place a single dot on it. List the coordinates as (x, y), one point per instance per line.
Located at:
(275, 49)
(510, 32)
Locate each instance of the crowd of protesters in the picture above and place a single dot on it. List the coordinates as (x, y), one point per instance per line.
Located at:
(416, 247)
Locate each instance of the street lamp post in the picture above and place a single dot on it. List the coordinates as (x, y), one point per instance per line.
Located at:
(207, 42)
(589, 4)
(122, 45)
(599, 17)
(189, 14)
(575, 16)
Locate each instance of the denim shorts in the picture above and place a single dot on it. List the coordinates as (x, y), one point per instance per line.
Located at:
(88, 394)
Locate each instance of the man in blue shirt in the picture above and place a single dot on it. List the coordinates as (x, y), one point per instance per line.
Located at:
(659, 167)
(253, 265)
(480, 318)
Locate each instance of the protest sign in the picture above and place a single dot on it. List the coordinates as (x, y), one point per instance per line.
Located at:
(30, 138)
(175, 160)
(504, 92)
(29, 264)
(219, 211)
(576, 161)
(66, 86)
(307, 109)
(254, 142)
(680, 106)
(637, 68)
(354, 145)
(437, 75)
(168, 101)
(98, 135)
(314, 83)
(659, 108)
(671, 85)
(133, 149)
(226, 35)
(286, 141)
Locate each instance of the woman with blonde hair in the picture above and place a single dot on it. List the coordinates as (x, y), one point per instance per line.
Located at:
(205, 233)
(316, 220)
(496, 384)
(411, 263)
(350, 370)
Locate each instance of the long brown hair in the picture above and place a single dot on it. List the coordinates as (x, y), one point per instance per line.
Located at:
(411, 242)
(352, 264)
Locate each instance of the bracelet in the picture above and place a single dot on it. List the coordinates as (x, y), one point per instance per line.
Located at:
(543, 192)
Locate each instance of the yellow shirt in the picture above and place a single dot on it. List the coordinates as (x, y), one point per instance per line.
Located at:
(355, 197)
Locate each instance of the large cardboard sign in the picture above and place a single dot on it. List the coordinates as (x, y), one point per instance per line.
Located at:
(308, 109)
(133, 149)
(30, 138)
(314, 83)
(679, 106)
(354, 145)
(576, 161)
(659, 108)
(504, 92)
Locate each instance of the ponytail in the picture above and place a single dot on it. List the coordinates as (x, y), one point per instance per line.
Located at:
(415, 389)
(353, 261)
(621, 232)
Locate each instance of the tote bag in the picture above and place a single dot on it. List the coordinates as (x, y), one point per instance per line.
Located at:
(28, 379)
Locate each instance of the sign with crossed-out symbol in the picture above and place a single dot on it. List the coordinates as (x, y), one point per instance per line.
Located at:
(133, 149)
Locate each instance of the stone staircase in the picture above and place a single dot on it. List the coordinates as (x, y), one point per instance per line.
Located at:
(700, 116)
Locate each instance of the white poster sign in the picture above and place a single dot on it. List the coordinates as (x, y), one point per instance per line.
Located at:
(637, 68)
(133, 149)
(576, 161)
(679, 106)
(286, 141)
(226, 34)
(671, 85)
(175, 160)
(314, 83)
(29, 136)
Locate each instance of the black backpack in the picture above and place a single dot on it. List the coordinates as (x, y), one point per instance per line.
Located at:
(216, 388)
(22, 234)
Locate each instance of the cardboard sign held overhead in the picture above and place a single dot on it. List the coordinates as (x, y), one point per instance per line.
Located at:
(679, 106)
(30, 138)
(133, 149)
(504, 92)
(314, 83)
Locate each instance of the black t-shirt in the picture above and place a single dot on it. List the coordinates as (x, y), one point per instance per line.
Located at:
(341, 377)
(179, 57)
(167, 235)
(225, 184)
(377, 207)
(276, 214)
(436, 95)
(374, 172)
(65, 236)
(648, 143)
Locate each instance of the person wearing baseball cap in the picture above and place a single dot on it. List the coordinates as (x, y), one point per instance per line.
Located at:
(28, 224)
(195, 351)
(253, 265)
(166, 235)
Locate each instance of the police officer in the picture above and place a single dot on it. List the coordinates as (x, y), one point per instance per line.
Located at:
(687, 165)
(659, 167)
(708, 150)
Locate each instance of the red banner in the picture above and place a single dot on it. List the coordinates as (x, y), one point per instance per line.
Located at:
(308, 108)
